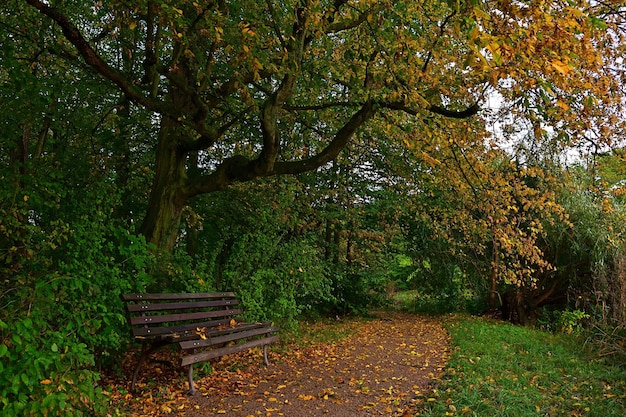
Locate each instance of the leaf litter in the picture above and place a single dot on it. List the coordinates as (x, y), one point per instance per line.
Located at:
(385, 367)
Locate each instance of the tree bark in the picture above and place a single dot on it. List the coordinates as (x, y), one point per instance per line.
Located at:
(166, 202)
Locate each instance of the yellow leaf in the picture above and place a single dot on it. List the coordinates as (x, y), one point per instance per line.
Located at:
(561, 67)
(562, 105)
(132, 25)
(494, 48)
(46, 382)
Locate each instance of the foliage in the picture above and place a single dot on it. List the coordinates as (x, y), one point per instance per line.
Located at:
(379, 110)
(62, 316)
(564, 321)
(45, 372)
(571, 321)
(480, 225)
(502, 370)
(444, 289)
(587, 249)
(262, 248)
(244, 90)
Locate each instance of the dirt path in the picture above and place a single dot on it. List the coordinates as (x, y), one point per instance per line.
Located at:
(384, 369)
(380, 371)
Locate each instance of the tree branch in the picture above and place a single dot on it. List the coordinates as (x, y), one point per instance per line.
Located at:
(454, 114)
(339, 142)
(337, 27)
(322, 106)
(442, 28)
(240, 168)
(91, 57)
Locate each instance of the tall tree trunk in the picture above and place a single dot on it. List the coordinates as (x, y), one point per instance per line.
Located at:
(328, 240)
(123, 172)
(495, 266)
(162, 222)
(337, 243)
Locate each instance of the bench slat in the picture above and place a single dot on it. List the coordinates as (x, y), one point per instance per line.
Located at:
(133, 308)
(241, 326)
(168, 318)
(234, 335)
(214, 353)
(191, 296)
(164, 331)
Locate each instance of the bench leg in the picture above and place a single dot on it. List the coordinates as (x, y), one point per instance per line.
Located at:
(192, 388)
(267, 363)
(145, 352)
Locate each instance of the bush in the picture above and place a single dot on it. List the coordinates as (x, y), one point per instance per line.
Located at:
(571, 321)
(276, 282)
(62, 319)
(444, 288)
(45, 372)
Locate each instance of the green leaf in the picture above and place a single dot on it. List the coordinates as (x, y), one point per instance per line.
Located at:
(598, 23)
(55, 348)
(3, 350)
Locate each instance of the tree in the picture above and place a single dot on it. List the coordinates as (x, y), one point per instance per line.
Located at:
(255, 90)
(244, 90)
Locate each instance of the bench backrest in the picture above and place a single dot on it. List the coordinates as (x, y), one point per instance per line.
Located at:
(177, 315)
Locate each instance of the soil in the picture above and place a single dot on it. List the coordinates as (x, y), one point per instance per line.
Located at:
(385, 368)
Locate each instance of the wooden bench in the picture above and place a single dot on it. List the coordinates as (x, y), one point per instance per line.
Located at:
(204, 325)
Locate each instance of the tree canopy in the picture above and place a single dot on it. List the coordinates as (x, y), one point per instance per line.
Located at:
(246, 89)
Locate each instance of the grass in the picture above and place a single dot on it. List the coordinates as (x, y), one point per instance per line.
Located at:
(498, 369)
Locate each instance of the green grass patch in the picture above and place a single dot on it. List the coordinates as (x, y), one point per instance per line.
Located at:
(497, 369)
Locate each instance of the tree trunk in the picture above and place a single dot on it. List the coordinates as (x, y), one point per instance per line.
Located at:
(166, 203)
(493, 291)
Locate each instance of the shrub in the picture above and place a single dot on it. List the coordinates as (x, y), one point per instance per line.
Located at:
(571, 321)
(46, 372)
(58, 326)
